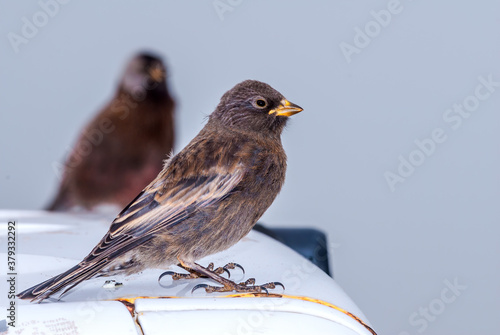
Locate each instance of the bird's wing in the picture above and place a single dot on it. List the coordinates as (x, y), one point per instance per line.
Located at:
(164, 203)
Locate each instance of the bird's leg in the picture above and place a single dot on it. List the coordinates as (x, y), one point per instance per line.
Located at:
(194, 274)
(228, 285)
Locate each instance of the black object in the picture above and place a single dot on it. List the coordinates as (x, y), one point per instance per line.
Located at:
(310, 243)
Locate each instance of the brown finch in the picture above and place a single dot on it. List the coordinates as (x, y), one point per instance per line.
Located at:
(122, 149)
(206, 198)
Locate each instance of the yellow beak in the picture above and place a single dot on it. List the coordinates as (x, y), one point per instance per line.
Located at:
(286, 108)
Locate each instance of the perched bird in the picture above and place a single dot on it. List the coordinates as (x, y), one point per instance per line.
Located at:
(122, 149)
(206, 198)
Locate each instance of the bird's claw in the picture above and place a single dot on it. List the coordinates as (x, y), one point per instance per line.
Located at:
(178, 276)
(166, 273)
(247, 286)
(205, 286)
(234, 266)
(225, 268)
(221, 270)
(277, 283)
(210, 267)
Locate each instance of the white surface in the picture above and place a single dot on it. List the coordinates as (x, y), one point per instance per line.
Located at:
(43, 254)
(79, 318)
(289, 316)
(389, 248)
(239, 322)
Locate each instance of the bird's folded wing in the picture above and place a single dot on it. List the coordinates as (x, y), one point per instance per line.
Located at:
(163, 204)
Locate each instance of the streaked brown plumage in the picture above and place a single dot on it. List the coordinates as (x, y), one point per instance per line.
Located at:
(122, 149)
(206, 198)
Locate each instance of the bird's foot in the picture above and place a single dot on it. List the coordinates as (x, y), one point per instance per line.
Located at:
(197, 271)
(193, 274)
(247, 286)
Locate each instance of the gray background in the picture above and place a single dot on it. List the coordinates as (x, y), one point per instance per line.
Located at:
(393, 251)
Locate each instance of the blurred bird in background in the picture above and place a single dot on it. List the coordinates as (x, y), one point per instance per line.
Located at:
(206, 198)
(123, 148)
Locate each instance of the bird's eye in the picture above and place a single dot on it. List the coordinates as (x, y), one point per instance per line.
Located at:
(260, 103)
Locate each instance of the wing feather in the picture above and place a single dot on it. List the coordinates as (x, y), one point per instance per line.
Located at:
(161, 205)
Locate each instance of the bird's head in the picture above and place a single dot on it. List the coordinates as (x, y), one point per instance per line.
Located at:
(254, 106)
(145, 74)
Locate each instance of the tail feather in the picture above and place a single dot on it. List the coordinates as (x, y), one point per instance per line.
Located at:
(71, 278)
(91, 266)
